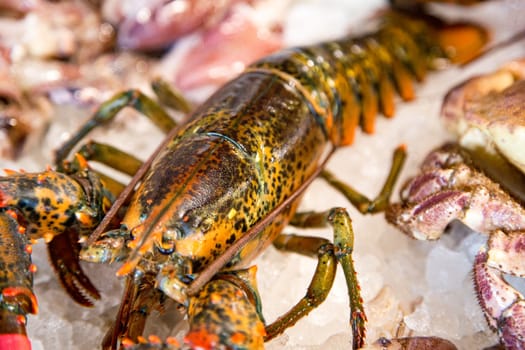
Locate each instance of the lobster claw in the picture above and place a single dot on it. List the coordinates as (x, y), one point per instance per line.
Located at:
(12, 335)
(63, 252)
(139, 300)
(227, 310)
(16, 282)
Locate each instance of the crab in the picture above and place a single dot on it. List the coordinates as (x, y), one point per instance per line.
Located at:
(479, 181)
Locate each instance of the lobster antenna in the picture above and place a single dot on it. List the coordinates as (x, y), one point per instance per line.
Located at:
(207, 274)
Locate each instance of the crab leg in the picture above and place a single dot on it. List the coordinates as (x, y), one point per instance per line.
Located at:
(361, 202)
(448, 192)
(504, 306)
(448, 189)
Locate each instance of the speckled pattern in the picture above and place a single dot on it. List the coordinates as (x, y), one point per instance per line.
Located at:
(349, 81)
(222, 316)
(15, 254)
(48, 201)
(245, 150)
(255, 140)
(229, 168)
(16, 275)
(60, 209)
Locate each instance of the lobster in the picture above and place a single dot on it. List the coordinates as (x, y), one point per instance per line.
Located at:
(221, 187)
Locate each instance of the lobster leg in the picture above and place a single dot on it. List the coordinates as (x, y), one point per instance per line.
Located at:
(361, 202)
(108, 110)
(137, 303)
(328, 255)
(111, 156)
(169, 97)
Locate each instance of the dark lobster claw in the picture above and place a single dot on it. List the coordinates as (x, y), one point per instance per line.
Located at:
(139, 299)
(63, 252)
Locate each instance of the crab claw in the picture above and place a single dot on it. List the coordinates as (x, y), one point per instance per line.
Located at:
(447, 190)
(504, 306)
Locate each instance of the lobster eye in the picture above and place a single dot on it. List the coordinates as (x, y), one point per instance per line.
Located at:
(166, 250)
(166, 247)
(169, 238)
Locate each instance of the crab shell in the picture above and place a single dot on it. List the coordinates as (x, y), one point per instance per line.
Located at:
(487, 111)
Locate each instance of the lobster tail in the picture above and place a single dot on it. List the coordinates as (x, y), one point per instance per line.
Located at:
(348, 82)
(462, 41)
